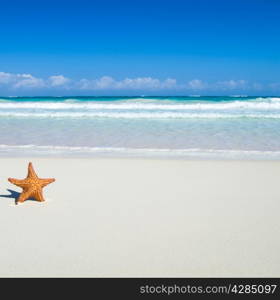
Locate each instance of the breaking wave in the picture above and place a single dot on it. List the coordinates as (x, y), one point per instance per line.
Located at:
(138, 104)
(136, 115)
(197, 127)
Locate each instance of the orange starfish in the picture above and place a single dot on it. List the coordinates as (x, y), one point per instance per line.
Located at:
(32, 185)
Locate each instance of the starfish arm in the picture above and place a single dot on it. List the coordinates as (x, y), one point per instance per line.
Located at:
(31, 172)
(46, 181)
(19, 182)
(32, 185)
(38, 195)
(24, 196)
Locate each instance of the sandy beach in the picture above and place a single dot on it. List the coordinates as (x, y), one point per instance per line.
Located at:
(141, 217)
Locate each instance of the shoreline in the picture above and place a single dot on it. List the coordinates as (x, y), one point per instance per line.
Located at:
(81, 152)
(108, 217)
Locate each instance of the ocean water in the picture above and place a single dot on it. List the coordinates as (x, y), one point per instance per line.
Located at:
(176, 127)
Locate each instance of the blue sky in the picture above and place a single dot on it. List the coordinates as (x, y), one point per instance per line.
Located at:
(155, 47)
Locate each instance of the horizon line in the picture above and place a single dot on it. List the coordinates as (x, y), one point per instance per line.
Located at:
(140, 96)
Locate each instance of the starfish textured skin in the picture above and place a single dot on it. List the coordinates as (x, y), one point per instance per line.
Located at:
(32, 185)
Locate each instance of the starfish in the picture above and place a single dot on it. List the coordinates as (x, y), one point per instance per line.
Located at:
(32, 185)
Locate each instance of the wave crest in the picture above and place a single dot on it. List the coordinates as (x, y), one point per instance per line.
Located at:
(136, 104)
(167, 115)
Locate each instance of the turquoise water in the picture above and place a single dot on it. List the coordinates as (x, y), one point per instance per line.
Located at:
(235, 127)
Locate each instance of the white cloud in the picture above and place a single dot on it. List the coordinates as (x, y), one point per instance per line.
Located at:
(275, 85)
(29, 81)
(232, 84)
(170, 83)
(6, 78)
(107, 82)
(20, 80)
(15, 81)
(196, 84)
(139, 83)
(58, 80)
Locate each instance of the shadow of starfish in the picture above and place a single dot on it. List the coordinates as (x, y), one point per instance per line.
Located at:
(15, 195)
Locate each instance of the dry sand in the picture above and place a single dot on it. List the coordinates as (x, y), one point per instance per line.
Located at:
(134, 218)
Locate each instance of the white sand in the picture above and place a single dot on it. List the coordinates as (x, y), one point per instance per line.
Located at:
(132, 217)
